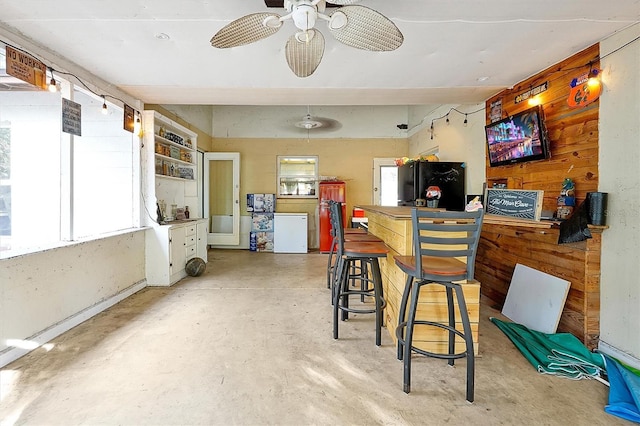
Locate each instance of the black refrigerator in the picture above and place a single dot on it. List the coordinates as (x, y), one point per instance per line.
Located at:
(414, 179)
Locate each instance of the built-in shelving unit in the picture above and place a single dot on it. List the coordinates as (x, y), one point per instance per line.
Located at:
(170, 160)
(170, 179)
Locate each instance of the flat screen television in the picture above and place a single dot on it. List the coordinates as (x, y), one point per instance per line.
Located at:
(521, 137)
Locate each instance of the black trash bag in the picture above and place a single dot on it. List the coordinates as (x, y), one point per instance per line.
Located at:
(575, 228)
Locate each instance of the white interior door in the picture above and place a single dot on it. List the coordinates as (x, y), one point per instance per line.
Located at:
(385, 182)
(221, 188)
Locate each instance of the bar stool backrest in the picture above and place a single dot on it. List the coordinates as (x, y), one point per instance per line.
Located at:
(335, 217)
(445, 234)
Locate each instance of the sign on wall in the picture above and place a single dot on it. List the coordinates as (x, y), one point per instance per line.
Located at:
(26, 68)
(71, 117)
(496, 110)
(583, 91)
(515, 203)
(534, 91)
(128, 121)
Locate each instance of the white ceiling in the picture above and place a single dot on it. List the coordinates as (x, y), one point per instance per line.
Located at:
(449, 45)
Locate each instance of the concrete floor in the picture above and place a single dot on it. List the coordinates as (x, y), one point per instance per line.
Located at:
(250, 343)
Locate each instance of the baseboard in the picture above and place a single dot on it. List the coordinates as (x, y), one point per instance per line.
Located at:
(616, 353)
(11, 354)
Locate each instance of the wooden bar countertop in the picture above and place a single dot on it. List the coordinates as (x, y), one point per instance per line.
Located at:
(404, 212)
(506, 241)
(395, 212)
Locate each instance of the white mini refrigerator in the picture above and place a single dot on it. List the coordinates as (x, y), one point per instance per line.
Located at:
(290, 232)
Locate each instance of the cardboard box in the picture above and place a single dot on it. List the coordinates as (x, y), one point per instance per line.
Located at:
(261, 203)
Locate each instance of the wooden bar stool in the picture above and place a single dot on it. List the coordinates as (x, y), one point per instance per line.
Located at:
(350, 235)
(440, 239)
(332, 250)
(348, 254)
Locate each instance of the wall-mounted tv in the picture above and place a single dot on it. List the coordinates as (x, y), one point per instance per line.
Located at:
(521, 137)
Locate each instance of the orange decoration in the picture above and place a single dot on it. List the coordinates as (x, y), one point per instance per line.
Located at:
(584, 93)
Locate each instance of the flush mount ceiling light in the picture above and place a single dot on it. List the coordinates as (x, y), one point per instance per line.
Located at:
(162, 36)
(355, 26)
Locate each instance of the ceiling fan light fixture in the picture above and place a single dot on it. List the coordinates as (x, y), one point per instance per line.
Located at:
(308, 123)
(304, 16)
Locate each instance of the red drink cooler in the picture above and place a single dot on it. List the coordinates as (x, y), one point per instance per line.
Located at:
(329, 190)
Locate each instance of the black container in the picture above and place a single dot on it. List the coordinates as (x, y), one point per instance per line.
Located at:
(597, 208)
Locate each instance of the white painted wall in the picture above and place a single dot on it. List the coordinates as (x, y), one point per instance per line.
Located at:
(619, 171)
(39, 290)
(200, 116)
(454, 141)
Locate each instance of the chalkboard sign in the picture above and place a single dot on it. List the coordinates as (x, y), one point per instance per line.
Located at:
(515, 203)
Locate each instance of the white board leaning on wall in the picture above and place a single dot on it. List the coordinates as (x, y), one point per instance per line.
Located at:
(535, 299)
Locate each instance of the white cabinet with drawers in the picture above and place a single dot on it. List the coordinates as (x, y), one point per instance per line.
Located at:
(170, 247)
(190, 241)
(202, 229)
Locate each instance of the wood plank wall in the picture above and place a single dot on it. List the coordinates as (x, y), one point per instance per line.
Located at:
(573, 133)
(574, 154)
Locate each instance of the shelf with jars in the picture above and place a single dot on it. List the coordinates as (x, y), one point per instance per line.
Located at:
(169, 157)
(174, 148)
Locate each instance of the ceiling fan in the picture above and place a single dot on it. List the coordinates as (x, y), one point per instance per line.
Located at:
(315, 123)
(355, 26)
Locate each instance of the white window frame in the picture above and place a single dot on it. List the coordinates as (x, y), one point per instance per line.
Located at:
(313, 193)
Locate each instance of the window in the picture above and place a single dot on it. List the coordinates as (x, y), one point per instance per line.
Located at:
(103, 189)
(30, 182)
(55, 187)
(298, 176)
(5, 182)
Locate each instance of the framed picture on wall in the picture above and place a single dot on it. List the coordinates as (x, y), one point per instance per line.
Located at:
(495, 113)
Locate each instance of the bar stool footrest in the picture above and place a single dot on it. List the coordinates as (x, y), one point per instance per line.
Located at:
(401, 340)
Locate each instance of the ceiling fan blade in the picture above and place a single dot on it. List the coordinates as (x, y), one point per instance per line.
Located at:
(364, 28)
(274, 3)
(280, 3)
(245, 30)
(342, 2)
(304, 55)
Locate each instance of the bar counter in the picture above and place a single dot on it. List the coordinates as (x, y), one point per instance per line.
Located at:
(504, 242)
(393, 226)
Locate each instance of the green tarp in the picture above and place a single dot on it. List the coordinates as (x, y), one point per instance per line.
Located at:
(560, 354)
